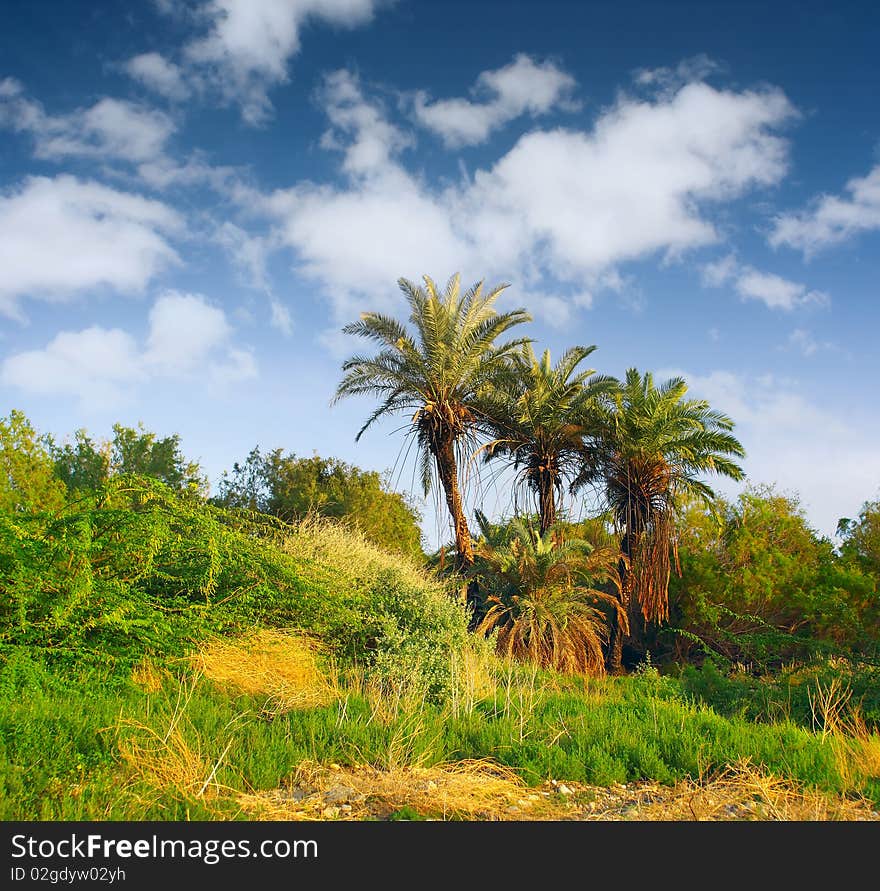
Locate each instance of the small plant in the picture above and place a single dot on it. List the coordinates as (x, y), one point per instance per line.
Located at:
(542, 599)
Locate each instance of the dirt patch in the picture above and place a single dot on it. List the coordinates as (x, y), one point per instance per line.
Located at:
(483, 790)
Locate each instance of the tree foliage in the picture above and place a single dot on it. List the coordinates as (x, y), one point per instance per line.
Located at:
(760, 585)
(650, 448)
(27, 478)
(85, 465)
(291, 488)
(537, 416)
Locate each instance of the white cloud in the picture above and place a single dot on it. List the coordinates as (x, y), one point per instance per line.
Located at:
(248, 252)
(158, 74)
(831, 460)
(250, 42)
(238, 365)
(111, 129)
(522, 87)
(163, 172)
(184, 330)
(572, 204)
(803, 340)
(187, 338)
(752, 284)
(719, 272)
(368, 141)
(553, 310)
(777, 292)
(62, 236)
(832, 219)
(687, 71)
(281, 318)
(96, 364)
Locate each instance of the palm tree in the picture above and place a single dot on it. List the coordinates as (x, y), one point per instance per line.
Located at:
(435, 375)
(650, 448)
(542, 596)
(538, 416)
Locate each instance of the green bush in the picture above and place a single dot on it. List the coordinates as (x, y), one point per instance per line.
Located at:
(139, 570)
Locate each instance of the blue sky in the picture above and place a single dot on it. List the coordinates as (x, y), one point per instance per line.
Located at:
(196, 196)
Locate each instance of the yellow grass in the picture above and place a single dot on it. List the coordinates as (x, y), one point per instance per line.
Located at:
(744, 793)
(148, 676)
(475, 790)
(281, 666)
(484, 790)
(168, 762)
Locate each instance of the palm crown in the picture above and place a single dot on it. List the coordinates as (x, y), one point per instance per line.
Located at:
(651, 445)
(538, 415)
(437, 373)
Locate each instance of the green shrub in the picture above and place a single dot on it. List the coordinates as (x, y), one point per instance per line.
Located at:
(138, 570)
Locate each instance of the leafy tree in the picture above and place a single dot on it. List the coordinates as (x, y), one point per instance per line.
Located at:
(436, 376)
(82, 465)
(140, 452)
(27, 479)
(760, 585)
(85, 465)
(861, 537)
(538, 416)
(649, 449)
(541, 598)
(291, 488)
(247, 486)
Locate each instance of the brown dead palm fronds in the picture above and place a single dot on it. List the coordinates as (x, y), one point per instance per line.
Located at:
(544, 599)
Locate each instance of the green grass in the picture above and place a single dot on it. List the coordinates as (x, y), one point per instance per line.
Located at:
(60, 757)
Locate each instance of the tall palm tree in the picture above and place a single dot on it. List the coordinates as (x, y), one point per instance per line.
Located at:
(542, 595)
(650, 448)
(538, 415)
(435, 375)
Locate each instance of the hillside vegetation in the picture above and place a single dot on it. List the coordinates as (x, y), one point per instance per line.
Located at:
(166, 659)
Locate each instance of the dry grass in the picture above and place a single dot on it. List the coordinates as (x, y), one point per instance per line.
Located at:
(148, 676)
(281, 666)
(741, 793)
(857, 748)
(337, 547)
(469, 790)
(483, 790)
(168, 762)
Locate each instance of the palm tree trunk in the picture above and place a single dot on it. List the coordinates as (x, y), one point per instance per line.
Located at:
(616, 632)
(447, 470)
(546, 501)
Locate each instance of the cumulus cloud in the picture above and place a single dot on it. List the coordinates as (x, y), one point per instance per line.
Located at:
(568, 203)
(156, 73)
(831, 219)
(111, 129)
(359, 129)
(249, 43)
(187, 338)
(524, 87)
(777, 292)
(96, 364)
(62, 236)
(830, 460)
(773, 290)
(184, 329)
